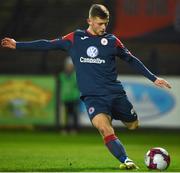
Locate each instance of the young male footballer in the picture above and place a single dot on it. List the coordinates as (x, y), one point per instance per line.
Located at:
(93, 52)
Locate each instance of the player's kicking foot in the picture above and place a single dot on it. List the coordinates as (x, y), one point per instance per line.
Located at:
(128, 164)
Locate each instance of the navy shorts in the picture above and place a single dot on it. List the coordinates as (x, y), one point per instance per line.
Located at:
(117, 106)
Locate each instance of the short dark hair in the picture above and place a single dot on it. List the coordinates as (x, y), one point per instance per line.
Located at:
(98, 10)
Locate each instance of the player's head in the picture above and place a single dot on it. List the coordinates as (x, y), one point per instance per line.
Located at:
(98, 19)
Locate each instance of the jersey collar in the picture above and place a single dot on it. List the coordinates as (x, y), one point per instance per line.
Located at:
(91, 35)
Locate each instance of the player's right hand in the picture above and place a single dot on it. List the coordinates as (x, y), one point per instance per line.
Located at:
(8, 43)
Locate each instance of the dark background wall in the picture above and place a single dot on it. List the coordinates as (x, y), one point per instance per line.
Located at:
(49, 19)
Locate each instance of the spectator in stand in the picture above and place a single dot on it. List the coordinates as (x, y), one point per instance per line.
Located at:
(69, 95)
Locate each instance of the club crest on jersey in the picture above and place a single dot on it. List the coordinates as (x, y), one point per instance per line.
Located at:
(104, 41)
(92, 51)
(91, 110)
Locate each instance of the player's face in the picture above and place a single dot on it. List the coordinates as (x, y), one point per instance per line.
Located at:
(97, 25)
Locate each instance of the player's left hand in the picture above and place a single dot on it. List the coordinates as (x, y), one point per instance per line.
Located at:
(162, 83)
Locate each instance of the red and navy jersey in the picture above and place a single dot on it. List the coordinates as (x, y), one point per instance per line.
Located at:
(94, 60)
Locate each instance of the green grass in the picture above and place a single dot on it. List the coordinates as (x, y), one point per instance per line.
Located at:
(48, 151)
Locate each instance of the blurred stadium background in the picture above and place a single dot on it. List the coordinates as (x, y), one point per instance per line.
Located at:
(29, 81)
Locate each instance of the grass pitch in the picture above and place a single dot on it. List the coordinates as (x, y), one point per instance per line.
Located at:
(54, 152)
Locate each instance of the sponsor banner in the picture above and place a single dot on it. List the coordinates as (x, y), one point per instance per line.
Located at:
(156, 107)
(137, 18)
(26, 100)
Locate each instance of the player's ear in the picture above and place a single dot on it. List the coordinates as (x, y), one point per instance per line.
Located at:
(89, 21)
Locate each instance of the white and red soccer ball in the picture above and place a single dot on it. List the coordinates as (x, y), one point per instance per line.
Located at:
(157, 158)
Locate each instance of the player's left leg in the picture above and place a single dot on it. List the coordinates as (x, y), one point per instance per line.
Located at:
(123, 110)
(131, 125)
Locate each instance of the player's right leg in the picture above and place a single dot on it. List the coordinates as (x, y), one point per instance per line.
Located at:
(100, 115)
(103, 123)
(128, 164)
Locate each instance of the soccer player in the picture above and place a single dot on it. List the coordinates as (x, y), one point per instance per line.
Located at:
(93, 52)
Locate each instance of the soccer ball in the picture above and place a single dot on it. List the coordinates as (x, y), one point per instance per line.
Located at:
(157, 158)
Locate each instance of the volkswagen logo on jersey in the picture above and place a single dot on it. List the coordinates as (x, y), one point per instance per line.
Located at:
(92, 51)
(104, 41)
(92, 58)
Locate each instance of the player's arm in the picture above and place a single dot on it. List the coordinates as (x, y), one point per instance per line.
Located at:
(63, 44)
(124, 54)
(8, 43)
